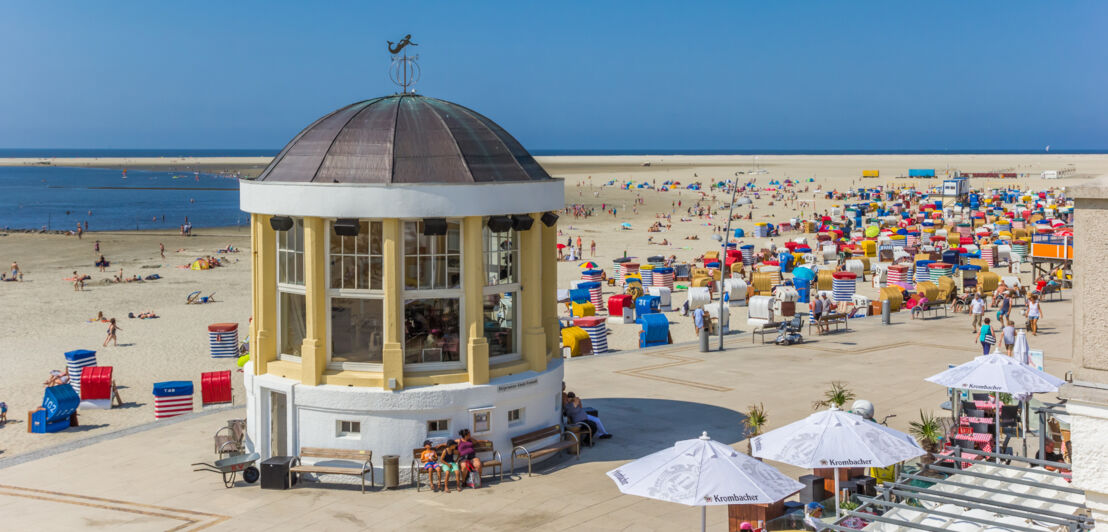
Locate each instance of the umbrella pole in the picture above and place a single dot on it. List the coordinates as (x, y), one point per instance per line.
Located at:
(996, 422)
(836, 493)
(1023, 433)
(703, 518)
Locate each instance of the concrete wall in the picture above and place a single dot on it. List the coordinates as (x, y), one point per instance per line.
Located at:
(396, 422)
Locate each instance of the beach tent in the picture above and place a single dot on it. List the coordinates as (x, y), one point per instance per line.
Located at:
(200, 264)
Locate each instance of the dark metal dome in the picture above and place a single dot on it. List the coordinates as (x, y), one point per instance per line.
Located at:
(403, 139)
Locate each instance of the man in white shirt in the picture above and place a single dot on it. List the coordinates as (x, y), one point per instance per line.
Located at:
(977, 308)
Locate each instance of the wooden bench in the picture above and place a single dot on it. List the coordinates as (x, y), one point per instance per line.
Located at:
(495, 462)
(829, 320)
(520, 443)
(365, 457)
(766, 328)
(580, 428)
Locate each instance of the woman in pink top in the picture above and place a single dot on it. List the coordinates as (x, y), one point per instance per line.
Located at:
(467, 454)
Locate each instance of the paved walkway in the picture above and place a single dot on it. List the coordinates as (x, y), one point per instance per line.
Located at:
(142, 480)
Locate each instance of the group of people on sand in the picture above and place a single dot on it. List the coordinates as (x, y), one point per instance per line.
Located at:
(13, 274)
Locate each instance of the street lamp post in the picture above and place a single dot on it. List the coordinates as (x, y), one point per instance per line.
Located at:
(723, 256)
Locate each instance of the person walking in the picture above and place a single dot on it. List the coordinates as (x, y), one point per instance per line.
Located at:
(1034, 312)
(161, 249)
(112, 329)
(1005, 308)
(592, 248)
(1009, 336)
(977, 308)
(986, 337)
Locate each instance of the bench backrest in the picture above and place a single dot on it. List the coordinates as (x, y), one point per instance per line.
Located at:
(538, 435)
(336, 454)
(482, 446)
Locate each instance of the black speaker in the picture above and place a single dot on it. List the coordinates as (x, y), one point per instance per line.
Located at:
(434, 226)
(280, 223)
(347, 226)
(812, 490)
(522, 222)
(499, 224)
(549, 219)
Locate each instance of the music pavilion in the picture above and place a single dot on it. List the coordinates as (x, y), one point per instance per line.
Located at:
(404, 278)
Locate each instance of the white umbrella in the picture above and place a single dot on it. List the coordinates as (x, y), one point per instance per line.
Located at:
(998, 373)
(833, 439)
(702, 472)
(1021, 351)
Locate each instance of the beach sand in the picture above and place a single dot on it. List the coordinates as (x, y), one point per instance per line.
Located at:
(44, 317)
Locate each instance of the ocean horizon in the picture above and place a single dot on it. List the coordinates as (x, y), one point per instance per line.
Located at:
(205, 152)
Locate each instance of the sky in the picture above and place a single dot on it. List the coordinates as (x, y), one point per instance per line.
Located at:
(565, 75)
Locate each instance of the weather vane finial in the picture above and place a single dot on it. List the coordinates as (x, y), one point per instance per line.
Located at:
(404, 70)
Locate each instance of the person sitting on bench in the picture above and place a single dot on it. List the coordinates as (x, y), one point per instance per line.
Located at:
(576, 414)
(921, 306)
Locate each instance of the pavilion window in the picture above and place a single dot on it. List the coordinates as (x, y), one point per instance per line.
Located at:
(501, 295)
(292, 324)
(356, 297)
(432, 296)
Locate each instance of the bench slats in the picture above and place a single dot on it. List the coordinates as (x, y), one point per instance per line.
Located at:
(537, 435)
(327, 470)
(335, 454)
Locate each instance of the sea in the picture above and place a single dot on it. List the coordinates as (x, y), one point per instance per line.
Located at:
(58, 198)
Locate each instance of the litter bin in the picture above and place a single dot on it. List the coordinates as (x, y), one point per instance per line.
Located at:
(392, 470)
(275, 473)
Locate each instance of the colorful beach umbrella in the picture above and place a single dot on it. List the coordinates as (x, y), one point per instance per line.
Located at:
(589, 265)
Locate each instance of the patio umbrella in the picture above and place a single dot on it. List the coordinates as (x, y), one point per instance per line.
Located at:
(833, 439)
(997, 373)
(703, 472)
(1022, 353)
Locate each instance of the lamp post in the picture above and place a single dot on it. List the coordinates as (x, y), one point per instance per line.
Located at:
(723, 256)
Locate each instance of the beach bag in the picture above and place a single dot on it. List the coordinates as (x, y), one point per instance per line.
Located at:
(475, 479)
(989, 340)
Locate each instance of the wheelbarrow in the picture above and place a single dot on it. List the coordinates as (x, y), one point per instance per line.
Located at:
(234, 464)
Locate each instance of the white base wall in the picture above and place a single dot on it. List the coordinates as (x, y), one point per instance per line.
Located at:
(397, 422)
(1089, 436)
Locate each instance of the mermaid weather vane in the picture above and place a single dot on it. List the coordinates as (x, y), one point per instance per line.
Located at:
(404, 70)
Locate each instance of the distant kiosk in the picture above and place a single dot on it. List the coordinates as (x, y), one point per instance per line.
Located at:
(957, 188)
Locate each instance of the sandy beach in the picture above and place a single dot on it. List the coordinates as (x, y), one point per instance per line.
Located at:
(45, 317)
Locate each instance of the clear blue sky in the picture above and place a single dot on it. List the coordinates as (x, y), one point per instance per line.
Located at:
(565, 75)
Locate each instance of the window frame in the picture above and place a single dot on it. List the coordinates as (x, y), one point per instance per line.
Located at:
(440, 432)
(413, 294)
(516, 310)
(288, 288)
(354, 293)
(518, 421)
(487, 411)
(348, 434)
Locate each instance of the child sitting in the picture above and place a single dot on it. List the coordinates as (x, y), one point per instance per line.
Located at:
(429, 459)
(448, 461)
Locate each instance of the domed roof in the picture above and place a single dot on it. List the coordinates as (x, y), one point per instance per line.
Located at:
(404, 138)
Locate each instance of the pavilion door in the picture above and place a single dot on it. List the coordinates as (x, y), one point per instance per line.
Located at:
(278, 424)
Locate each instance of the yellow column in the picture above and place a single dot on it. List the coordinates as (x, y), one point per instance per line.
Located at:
(313, 352)
(263, 329)
(392, 355)
(549, 283)
(473, 264)
(531, 288)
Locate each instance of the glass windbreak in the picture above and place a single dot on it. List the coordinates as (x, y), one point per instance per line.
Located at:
(499, 318)
(431, 330)
(293, 324)
(356, 330)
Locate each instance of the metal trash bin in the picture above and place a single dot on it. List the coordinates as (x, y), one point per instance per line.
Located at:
(392, 470)
(275, 473)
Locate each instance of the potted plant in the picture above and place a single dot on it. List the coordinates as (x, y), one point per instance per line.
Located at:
(755, 421)
(928, 431)
(836, 396)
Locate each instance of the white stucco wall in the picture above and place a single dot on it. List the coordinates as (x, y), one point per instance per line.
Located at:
(1089, 435)
(396, 422)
